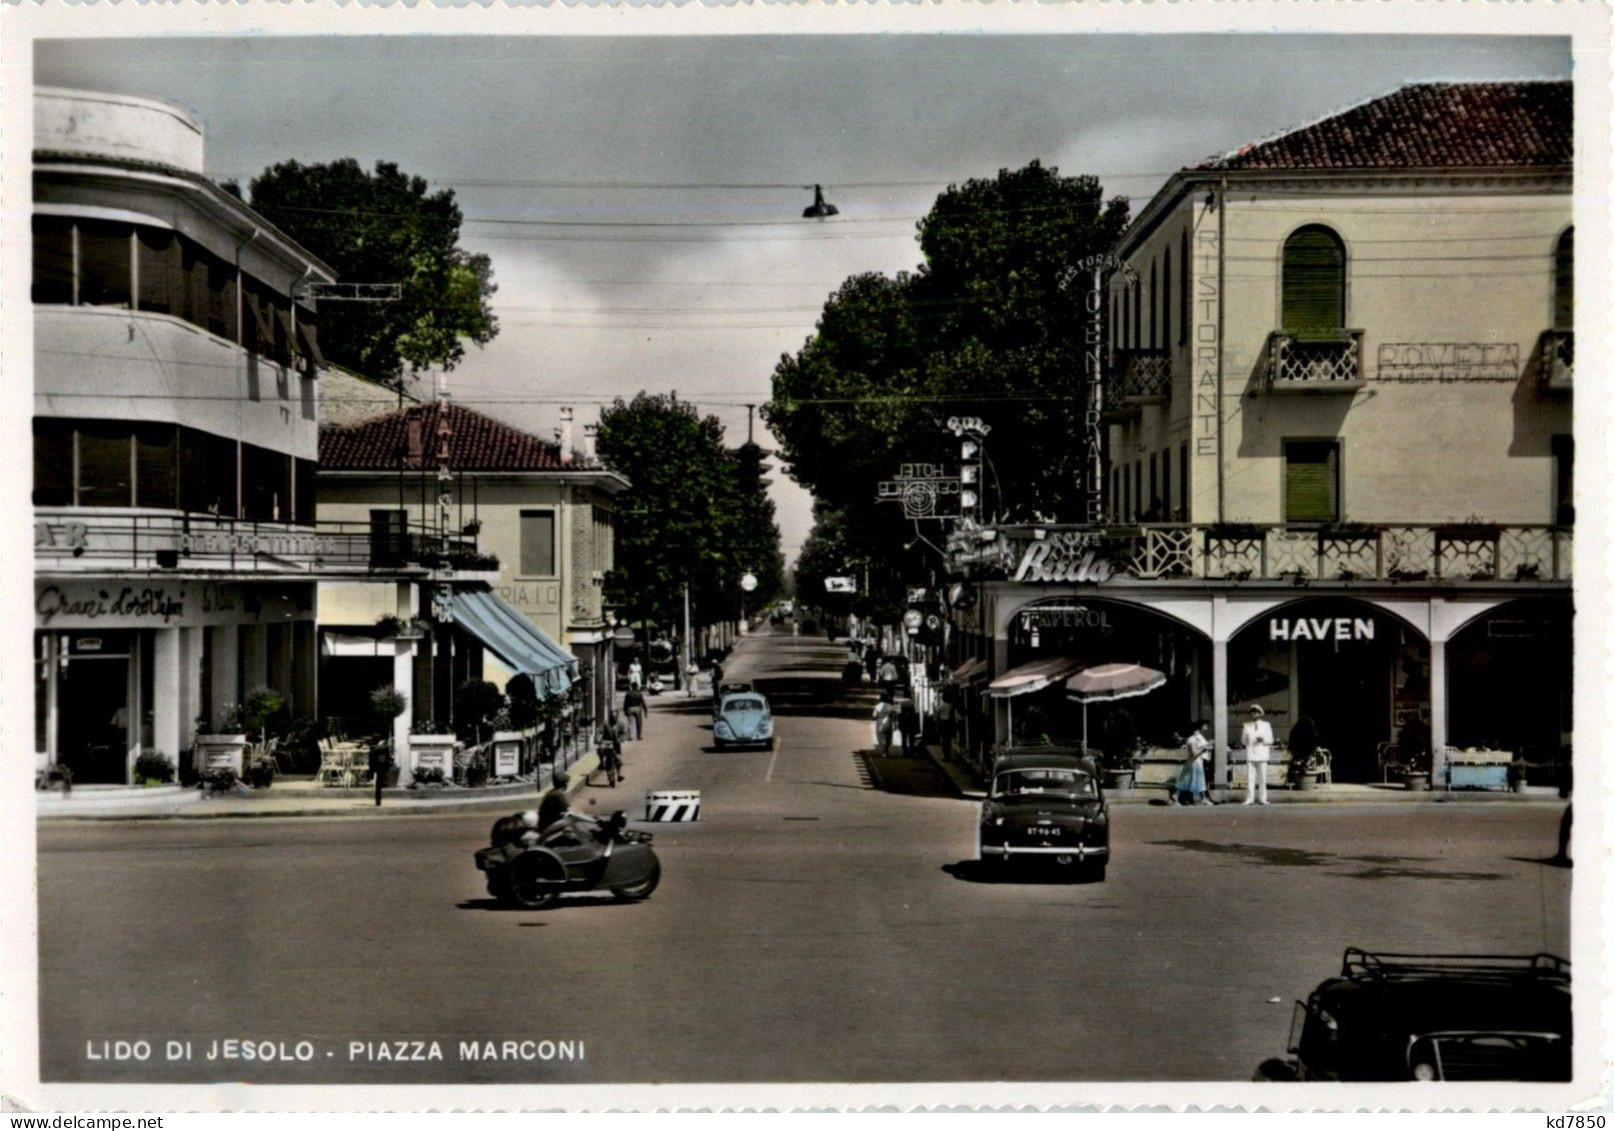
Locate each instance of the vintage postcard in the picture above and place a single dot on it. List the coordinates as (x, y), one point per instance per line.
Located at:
(806, 556)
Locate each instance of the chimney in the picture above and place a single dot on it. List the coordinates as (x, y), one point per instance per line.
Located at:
(590, 433)
(566, 434)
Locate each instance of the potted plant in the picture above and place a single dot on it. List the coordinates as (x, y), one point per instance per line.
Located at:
(1119, 748)
(1414, 743)
(260, 769)
(475, 702)
(1305, 761)
(389, 625)
(153, 768)
(430, 775)
(476, 771)
(258, 706)
(386, 704)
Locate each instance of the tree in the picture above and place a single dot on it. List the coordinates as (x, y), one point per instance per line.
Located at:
(681, 522)
(982, 328)
(384, 227)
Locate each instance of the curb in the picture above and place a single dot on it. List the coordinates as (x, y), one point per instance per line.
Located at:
(409, 803)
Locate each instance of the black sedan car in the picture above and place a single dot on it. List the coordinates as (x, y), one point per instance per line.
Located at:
(1045, 805)
(1433, 1017)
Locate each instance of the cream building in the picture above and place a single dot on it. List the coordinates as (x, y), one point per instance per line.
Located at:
(534, 523)
(175, 391)
(1338, 392)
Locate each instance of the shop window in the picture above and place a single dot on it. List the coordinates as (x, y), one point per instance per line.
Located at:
(162, 282)
(104, 256)
(105, 468)
(1564, 463)
(1564, 281)
(1314, 301)
(53, 259)
(156, 466)
(53, 462)
(1311, 481)
(538, 543)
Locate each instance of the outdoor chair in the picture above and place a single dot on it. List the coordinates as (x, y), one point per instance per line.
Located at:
(333, 769)
(1389, 756)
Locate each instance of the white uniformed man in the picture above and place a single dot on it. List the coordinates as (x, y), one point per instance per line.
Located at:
(1257, 739)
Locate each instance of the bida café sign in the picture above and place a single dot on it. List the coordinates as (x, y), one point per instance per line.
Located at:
(1065, 558)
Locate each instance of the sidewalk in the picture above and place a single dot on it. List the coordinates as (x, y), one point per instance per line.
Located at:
(298, 800)
(965, 781)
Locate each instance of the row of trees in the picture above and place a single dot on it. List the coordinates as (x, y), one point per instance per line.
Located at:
(987, 325)
(697, 514)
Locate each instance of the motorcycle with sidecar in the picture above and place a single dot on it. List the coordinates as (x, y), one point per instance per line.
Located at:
(533, 869)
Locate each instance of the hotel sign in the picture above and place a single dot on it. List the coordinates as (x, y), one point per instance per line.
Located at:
(1071, 558)
(1449, 361)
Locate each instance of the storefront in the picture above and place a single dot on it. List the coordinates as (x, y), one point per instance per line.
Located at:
(127, 666)
(1510, 679)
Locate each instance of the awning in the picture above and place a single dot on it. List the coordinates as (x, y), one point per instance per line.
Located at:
(1034, 676)
(510, 635)
(970, 671)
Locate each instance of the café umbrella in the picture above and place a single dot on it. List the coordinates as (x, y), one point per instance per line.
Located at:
(1104, 683)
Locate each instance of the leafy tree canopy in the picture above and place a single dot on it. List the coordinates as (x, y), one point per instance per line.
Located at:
(981, 328)
(384, 227)
(697, 514)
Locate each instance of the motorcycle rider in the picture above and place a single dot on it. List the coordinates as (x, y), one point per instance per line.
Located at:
(554, 806)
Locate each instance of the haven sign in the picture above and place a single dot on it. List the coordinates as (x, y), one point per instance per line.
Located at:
(1337, 629)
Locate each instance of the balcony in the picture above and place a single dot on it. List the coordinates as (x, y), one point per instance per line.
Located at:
(69, 541)
(1297, 365)
(1557, 350)
(1137, 378)
(1445, 555)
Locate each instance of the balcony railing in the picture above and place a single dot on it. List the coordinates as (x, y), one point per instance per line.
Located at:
(77, 541)
(1327, 366)
(1146, 375)
(1442, 554)
(1558, 353)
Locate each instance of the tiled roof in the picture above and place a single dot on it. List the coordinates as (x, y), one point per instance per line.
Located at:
(475, 443)
(1428, 126)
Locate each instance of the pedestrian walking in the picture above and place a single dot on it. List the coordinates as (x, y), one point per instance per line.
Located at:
(634, 710)
(1257, 739)
(872, 660)
(944, 718)
(636, 675)
(1190, 786)
(885, 721)
(908, 723)
(691, 673)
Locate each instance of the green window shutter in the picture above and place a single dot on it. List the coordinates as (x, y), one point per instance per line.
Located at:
(1314, 285)
(1311, 482)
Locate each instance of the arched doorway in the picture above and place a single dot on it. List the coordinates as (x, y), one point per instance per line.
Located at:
(1089, 630)
(1361, 674)
(1510, 678)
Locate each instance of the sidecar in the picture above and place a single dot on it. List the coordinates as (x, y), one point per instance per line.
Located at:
(534, 871)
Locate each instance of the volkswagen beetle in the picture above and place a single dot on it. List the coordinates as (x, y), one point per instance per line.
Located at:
(743, 719)
(1045, 804)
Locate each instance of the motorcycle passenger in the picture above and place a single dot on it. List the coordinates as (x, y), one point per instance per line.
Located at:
(555, 804)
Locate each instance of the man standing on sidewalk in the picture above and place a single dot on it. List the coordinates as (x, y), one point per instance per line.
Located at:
(633, 707)
(1257, 739)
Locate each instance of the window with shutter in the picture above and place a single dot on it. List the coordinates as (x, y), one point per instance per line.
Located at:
(1311, 481)
(1314, 305)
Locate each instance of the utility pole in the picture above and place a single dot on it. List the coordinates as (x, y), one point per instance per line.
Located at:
(684, 670)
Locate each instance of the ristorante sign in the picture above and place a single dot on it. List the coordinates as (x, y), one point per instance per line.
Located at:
(99, 604)
(1065, 558)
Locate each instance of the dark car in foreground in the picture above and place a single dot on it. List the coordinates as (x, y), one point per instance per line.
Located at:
(1433, 1017)
(1044, 804)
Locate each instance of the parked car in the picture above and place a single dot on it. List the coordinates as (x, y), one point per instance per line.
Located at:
(743, 719)
(1433, 1017)
(1045, 804)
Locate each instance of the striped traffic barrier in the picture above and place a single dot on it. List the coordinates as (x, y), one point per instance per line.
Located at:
(673, 805)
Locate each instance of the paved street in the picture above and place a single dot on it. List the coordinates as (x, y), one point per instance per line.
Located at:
(822, 922)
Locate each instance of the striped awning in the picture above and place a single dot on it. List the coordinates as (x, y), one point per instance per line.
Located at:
(508, 633)
(1035, 676)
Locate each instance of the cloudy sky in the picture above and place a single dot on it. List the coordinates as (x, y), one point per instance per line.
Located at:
(641, 197)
